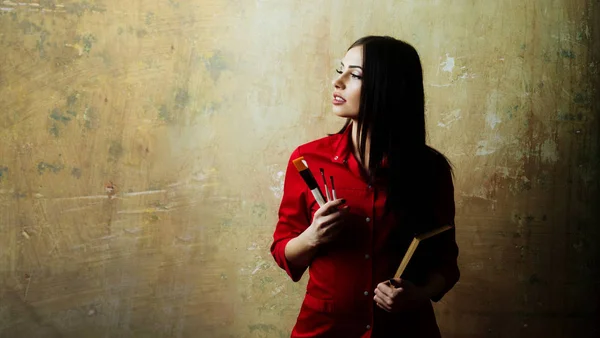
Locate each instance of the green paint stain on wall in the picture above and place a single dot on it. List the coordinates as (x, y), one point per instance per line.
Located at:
(28, 27)
(90, 118)
(58, 116)
(54, 130)
(210, 108)
(76, 172)
(168, 112)
(43, 166)
(567, 53)
(561, 116)
(182, 98)
(115, 150)
(259, 210)
(215, 64)
(41, 43)
(80, 8)
(88, 42)
(163, 113)
(512, 111)
(149, 18)
(72, 99)
(582, 99)
(3, 172)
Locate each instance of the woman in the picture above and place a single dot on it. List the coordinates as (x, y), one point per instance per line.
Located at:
(391, 186)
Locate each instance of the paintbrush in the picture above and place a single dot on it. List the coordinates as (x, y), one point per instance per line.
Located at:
(413, 246)
(333, 194)
(309, 179)
(325, 184)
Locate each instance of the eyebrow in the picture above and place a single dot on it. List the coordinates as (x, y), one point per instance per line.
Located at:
(351, 66)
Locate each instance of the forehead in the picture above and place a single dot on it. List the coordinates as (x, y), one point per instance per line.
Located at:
(353, 57)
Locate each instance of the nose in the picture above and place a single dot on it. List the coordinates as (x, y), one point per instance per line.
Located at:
(337, 82)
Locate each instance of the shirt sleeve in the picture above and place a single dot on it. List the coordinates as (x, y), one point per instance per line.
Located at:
(445, 258)
(293, 218)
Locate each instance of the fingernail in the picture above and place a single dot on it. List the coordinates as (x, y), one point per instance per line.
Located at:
(343, 200)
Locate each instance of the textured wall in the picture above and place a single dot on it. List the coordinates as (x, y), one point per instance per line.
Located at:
(143, 144)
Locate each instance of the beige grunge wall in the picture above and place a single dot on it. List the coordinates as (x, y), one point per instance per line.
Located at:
(143, 144)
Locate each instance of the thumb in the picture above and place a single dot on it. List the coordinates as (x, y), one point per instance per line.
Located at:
(396, 282)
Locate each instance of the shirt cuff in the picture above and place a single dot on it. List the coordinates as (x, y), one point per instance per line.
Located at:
(278, 253)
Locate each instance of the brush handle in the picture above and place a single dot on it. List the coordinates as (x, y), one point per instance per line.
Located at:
(413, 246)
(407, 256)
(318, 196)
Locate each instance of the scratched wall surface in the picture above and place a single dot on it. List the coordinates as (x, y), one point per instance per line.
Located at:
(143, 146)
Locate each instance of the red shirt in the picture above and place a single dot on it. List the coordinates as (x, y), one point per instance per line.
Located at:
(344, 273)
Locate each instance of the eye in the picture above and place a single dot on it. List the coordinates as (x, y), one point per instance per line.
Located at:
(356, 76)
(339, 71)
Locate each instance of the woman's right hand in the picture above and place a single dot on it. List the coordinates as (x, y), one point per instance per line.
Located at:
(327, 222)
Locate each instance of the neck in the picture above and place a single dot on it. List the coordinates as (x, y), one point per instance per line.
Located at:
(355, 141)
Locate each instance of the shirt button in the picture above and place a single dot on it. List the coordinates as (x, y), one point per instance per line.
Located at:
(369, 186)
(335, 158)
(368, 327)
(366, 293)
(368, 219)
(367, 256)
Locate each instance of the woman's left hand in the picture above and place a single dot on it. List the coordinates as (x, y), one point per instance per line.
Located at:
(399, 295)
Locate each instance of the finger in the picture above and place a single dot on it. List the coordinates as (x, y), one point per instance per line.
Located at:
(382, 304)
(334, 226)
(396, 282)
(332, 230)
(385, 289)
(331, 206)
(335, 216)
(384, 298)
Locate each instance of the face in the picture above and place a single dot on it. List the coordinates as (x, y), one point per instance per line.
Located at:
(347, 84)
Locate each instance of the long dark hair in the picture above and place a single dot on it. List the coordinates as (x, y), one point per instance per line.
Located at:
(392, 113)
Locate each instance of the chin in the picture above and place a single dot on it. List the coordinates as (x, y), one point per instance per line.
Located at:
(347, 116)
(344, 114)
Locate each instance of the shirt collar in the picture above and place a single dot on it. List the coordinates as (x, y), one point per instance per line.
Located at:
(343, 147)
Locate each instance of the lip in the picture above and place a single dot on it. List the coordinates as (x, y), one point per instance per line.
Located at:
(336, 102)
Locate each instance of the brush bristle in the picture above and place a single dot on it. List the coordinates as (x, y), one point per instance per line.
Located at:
(299, 163)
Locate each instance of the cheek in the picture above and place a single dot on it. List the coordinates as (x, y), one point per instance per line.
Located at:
(356, 96)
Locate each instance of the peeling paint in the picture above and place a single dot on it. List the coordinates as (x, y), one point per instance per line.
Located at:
(487, 147)
(492, 119)
(549, 151)
(448, 64)
(449, 118)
